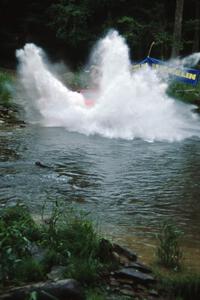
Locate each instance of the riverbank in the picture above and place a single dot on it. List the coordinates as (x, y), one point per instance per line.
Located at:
(62, 247)
(9, 110)
(64, 255)
(9, 116)
(185, 93)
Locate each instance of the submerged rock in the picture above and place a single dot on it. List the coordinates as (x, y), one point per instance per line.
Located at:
(41, 165)
(124, 252)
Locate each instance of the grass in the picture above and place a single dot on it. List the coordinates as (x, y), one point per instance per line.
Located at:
(174, 280)
(169, 253)
(29, 270)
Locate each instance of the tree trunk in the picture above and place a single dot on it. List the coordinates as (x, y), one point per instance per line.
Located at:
(177, 28)
(197, 27)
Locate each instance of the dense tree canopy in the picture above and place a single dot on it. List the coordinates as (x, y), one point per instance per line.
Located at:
(67, 29)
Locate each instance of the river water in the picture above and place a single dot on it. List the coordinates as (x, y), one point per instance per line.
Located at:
(128, 186)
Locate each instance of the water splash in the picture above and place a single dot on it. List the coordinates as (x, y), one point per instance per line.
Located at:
(127, 105)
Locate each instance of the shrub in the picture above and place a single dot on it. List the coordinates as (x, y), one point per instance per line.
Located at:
(73, 242)
(19, 216)
(85, 270)
(184, 92)
(29, 251)
(71, 233)
(29, 270)
(168, 251)
(5, 89)
(79, 236)
(95, 294)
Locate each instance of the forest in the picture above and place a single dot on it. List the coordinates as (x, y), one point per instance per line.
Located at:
(67, 29)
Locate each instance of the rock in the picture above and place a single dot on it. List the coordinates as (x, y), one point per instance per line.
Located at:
(3, 109)
(123, 260)
(127, 286)
(153, 293)
(125, 281)
(127, 292)
(114, 282)
(63, 289)
(136, 276)
(41, 165)
(56, 273)
(124, 252)
(105, 249)
(36, 252)
(139, 266)
(141, 287)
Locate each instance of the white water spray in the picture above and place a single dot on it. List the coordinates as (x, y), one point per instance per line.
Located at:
(127, 105)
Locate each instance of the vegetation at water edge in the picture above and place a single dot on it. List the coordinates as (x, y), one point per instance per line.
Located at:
(6, 88)
(184, 92)
(69, 241)
(169, 253)
(30, 250)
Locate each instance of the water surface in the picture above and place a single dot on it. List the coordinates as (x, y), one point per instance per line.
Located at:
(128, 186)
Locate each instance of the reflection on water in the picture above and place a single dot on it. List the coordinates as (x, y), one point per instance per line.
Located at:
(129, 186)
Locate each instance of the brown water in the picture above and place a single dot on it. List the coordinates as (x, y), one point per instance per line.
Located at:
(128, 186)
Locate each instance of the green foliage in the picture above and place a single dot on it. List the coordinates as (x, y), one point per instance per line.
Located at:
(169, 253)
(53, 258)
(72, 241)
(29, 251)
(185, 92)
(70, 20)
(29, 270)
(81, 237)
(71, 27)
(131, 29)
(17, 230)
(94, 294)
(72, 231)
(5, 89)
(18, 216)
(85, 270)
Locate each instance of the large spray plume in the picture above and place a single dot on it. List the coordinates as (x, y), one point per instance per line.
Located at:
(126, 105)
